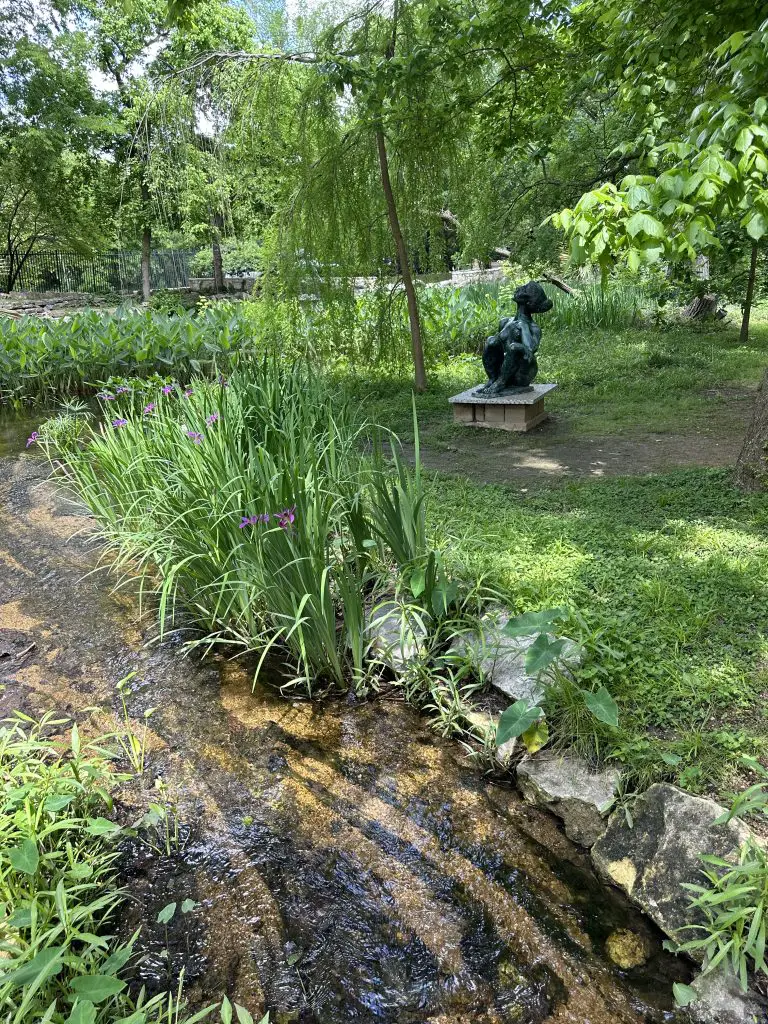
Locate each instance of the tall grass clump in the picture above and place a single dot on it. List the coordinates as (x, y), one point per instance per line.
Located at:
(60, 961)
(258, 511)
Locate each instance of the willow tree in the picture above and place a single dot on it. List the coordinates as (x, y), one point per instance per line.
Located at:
(385, 99)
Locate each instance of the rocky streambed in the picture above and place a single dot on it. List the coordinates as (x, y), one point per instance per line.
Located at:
(345, 863)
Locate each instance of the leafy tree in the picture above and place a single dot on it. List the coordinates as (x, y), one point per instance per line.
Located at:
(710, 178)
(50, 129)
(387, 98)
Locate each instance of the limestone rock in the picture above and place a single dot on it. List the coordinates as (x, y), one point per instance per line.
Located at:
(571, 790)
(484, 725)
(652, 860)
(721, 1001)
(395, 636)
(500, 659)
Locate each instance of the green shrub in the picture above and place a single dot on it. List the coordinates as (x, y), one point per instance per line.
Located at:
(44, 359)
(254, 506)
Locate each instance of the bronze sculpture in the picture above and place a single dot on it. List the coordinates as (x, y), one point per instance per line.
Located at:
(509, 357)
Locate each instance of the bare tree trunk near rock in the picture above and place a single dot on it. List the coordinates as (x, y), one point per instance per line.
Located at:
(744, 333)
(146, 250)
(752, 464)
(701, 307)
(217, 223)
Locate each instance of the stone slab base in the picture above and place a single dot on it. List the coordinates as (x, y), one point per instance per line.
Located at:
(521, 411)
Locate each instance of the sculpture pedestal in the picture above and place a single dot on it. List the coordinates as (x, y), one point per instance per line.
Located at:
(522, 411)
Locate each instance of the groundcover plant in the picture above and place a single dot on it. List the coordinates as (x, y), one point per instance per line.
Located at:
(60, 961)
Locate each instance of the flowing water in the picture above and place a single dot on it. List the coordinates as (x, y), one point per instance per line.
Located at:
(347, 864)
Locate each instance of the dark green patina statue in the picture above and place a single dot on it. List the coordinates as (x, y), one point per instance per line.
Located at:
(509, 357)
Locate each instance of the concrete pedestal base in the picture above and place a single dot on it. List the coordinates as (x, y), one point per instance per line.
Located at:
(522, 411)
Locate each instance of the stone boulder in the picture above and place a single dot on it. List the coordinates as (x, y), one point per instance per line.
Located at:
(395, 636)
(721, 1001)
(500, 659)
(652, 860)
(570, 789)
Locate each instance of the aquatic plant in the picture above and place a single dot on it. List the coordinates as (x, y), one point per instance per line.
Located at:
(41, 360)
(277, 527)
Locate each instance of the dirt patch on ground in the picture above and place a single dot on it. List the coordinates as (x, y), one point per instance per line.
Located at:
(537, 458)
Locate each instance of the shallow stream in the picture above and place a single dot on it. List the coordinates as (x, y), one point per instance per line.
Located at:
(349, 865)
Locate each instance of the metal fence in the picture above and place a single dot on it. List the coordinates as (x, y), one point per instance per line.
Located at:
(102, 272)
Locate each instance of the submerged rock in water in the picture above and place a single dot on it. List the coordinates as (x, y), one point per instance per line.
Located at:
(500, 659)
(627, 949)
(721, 1001)
(652, 860)
(571, 790)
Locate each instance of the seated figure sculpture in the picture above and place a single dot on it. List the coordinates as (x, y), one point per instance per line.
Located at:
(509, 357)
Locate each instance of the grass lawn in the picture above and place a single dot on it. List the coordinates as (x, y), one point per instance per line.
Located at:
(667, 575)
(610, 382)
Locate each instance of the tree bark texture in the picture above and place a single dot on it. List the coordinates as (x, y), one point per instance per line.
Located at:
(701, 307)
(217, 222)
(744, 332)
(752, 464)
(417, 350)
(146, 251)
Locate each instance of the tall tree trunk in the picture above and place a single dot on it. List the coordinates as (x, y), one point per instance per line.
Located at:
(217, 223)
(417, 349)
(146, 249)
(752, 464)
(744, 333)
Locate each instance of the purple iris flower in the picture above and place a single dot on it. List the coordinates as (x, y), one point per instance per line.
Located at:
(32, 438)
(150, 407)
(212, 419)
(286, 517)
(253, 520)
(167, 389)
(121, 390)
(119, 423)
(188, 393)
(223, 381)
(105, 396)
(193, 436)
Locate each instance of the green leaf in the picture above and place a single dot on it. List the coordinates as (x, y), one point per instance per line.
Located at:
(101, 827)
(96, 987)
(57, 803)
(515, 720)
(757, 226)
(45, 965)
(644, 224)
(535, 737)
(534, 622)
(603, 706)
(684, 994)
(75, 740)
(166, 913)
(188, 905)
(418, 582)
(243, 1016)
(226, 1011)
(83, 1012)
(542, 653)
(25, 858)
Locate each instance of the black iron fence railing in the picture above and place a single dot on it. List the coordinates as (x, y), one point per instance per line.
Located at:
(101, 272)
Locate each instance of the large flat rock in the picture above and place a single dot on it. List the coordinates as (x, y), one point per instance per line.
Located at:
(500, 659)
(652, 860)
(574, 792)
